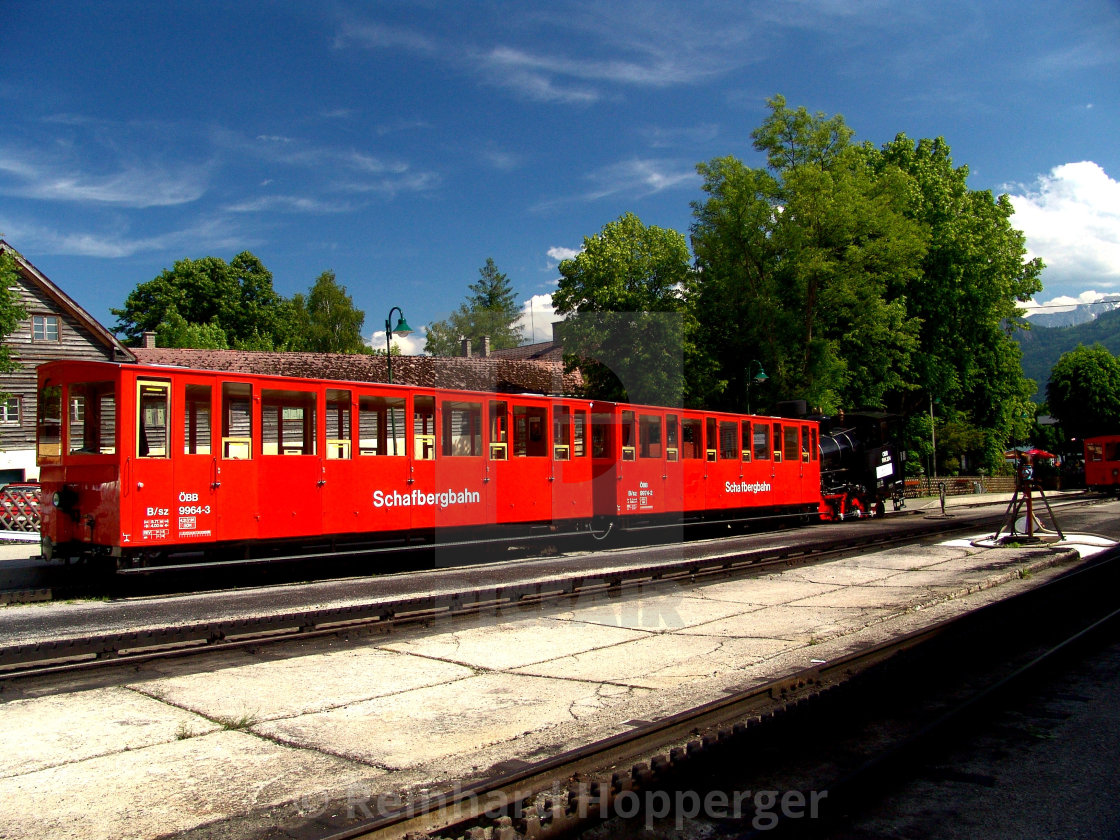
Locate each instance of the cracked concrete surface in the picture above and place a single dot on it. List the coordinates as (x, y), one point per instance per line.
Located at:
(246, 740)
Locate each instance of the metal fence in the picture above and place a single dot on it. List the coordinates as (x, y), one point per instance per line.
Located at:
(19, 509)
(959, 485)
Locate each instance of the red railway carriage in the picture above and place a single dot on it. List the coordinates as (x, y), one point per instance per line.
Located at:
(653, 463)
(144, 461)
(1102, 463)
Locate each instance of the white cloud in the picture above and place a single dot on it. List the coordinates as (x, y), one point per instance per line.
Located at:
(1066, 303)
(30, 174)
(411, 344)
(537, 317)
(637, 177)
(1071, 218)
(287, 203)
(501, 160)
(216, 233)
(376, 36)
(559, 253)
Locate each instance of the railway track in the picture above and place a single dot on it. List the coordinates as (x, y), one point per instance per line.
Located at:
(74, 653)
(660, 764)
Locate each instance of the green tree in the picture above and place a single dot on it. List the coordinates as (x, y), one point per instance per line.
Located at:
(490, 310)
(335, 325)
(627, 327)
(11, 310)
(805, 267)
(175, 331)
(236, 297)
(1084, 391)
(966, 296)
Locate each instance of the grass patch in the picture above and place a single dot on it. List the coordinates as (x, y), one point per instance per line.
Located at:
(238, 723)
(185, 731)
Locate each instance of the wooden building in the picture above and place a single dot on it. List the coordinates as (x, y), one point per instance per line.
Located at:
(55, 328)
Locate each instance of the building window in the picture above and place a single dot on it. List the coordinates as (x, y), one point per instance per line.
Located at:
(10, 411)
(44, 328)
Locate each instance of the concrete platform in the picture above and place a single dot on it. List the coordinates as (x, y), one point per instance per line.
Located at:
(231, 744)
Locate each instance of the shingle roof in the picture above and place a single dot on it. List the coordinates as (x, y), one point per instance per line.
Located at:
(541, 351)
(474, 374)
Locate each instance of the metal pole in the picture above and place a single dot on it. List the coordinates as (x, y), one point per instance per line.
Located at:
(389, 346)
(933, 434)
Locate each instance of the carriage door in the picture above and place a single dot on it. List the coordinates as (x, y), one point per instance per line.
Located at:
(151, 476)
(291, 468)
(237, 479)
(571, 464)
(422, 463)
(196, 462)
(460, 491)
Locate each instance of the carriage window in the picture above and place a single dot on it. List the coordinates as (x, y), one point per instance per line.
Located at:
(92, 419)
(579, 434)
(499, 430)
(789, 443)
(338, 424)
(728, 440)
(626, 430)
(813, 445)
(424, 428)
(196, 420)
(1094, 452)
(529, 436)
(601, 436)
(777, 441)
(287, 423)
(692, 438)
(710, 453)
(761, 442)
(804, 443)
(745, 439)
(462, 428)
(237, 420)
(671, 440)
(381, 425)
(49, 436)
(561, 433)
(649, 435)
(151, 419)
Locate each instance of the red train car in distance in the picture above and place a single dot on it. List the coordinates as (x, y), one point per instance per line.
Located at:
(1102, 463)
(143, 463)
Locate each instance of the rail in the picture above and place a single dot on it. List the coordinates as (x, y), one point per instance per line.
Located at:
(79, 653)
(554, 797)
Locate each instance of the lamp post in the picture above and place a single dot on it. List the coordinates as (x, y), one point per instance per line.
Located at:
(759, 377)
(402, 330)
(933, 435)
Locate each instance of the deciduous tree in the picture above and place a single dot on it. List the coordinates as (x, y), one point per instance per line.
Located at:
(966, 296)
(236, 297)
(11, 310)
(805, 267)
(627, 327)
(335, 325)
(1084, 391)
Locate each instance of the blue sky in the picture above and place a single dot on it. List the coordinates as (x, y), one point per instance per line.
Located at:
(401, 144)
